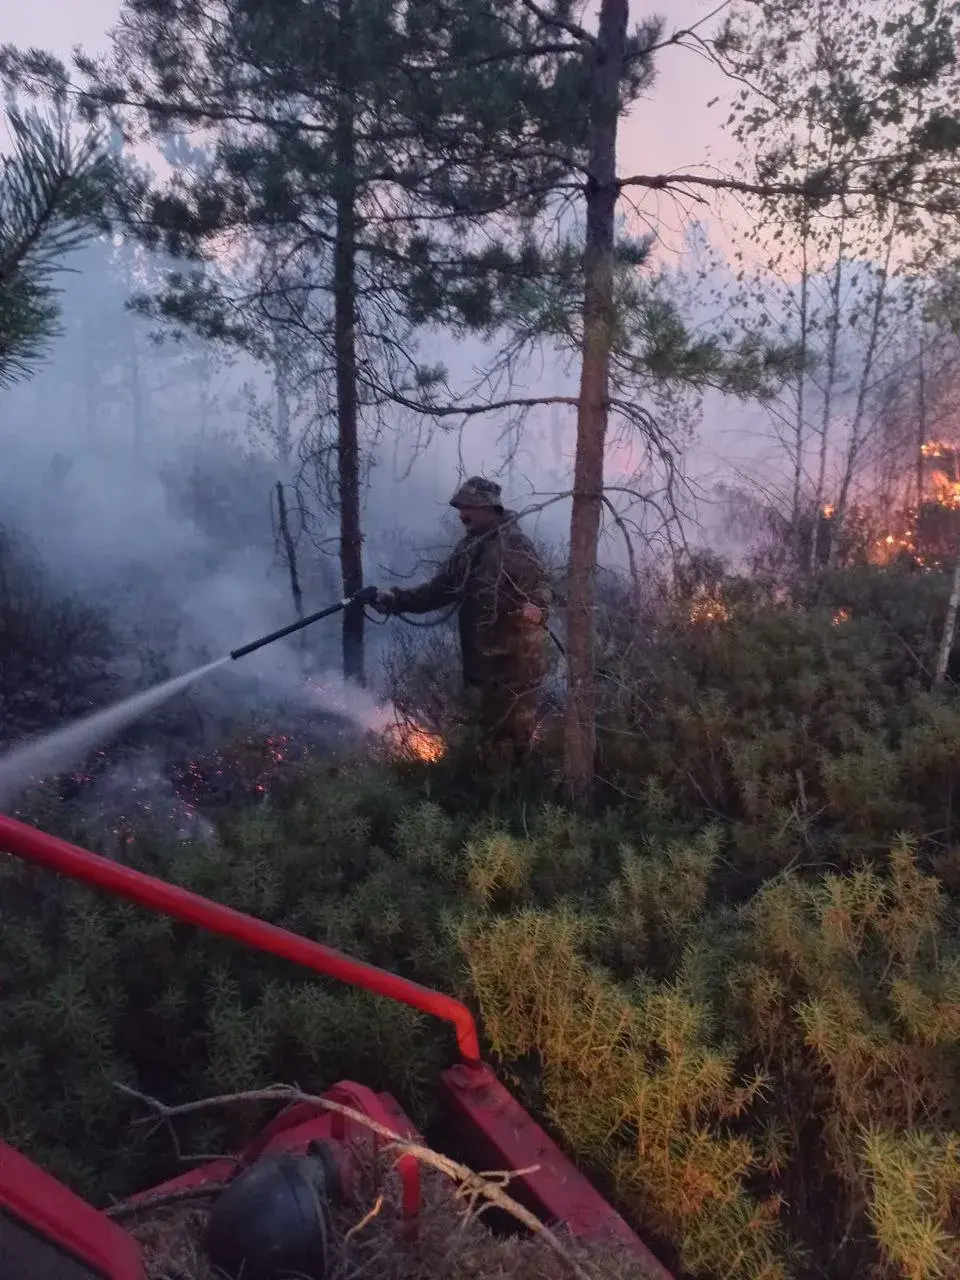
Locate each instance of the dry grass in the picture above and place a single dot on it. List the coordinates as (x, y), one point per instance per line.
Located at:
(453, 1243)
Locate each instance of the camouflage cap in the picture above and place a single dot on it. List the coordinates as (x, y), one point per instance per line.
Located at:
(477, 492)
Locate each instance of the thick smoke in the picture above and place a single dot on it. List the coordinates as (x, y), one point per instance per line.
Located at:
(143, 475)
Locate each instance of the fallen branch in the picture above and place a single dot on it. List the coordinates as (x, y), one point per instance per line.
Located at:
(470, 1186)
(133, 1209)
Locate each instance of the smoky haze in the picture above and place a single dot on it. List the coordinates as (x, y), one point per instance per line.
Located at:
(143, 474)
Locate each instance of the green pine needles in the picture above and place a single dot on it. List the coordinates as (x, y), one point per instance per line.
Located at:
(52, 187)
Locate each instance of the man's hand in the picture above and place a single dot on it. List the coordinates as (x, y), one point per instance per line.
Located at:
(532, 613)
(384, 602)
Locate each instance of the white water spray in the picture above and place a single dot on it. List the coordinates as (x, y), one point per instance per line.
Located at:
(54, 752)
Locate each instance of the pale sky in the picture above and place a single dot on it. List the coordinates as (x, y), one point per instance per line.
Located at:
(674, 129)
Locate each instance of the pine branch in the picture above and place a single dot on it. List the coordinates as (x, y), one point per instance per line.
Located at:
(562, 24)
(49, 195)
(684, 33)
(51, 192)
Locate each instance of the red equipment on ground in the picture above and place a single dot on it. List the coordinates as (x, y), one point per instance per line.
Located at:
(48, 1233)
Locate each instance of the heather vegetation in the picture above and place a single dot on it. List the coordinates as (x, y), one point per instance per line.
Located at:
(731, 990)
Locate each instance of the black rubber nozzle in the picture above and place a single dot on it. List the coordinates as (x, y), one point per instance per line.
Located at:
(364, 596)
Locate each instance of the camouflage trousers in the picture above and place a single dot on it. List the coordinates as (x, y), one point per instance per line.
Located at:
(504, 713)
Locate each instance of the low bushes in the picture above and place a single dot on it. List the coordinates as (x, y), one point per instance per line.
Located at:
(734, 992)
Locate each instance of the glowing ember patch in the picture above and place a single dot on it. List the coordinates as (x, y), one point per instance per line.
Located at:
(400, 735)
(841, 616)
(926, 532)
(418, 743)
(707, 608)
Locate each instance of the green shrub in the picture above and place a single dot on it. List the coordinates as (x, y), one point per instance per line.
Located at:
(121, 995)
(798, 1051)
(722, 991)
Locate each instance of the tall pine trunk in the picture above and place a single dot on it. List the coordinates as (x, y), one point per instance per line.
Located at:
(598, 323)
(345, 345)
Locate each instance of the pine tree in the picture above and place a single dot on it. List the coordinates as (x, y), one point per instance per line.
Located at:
(361, 146)
(52, 190)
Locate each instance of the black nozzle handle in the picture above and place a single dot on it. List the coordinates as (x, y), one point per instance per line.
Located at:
(364, 596)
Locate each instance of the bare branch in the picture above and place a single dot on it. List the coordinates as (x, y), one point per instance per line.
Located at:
(471, 410)
(684, 33)
(670, 181)
(135, 1208)
(628, 543)
(470, 1185)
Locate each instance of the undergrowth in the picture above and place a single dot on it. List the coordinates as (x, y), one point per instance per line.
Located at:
(733, 993)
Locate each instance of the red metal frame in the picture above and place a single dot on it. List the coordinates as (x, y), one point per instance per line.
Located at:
(496, 1133)
(496, 1129)
(297, 1126)
(344, 1130)
(47, 1207)
(180, 904)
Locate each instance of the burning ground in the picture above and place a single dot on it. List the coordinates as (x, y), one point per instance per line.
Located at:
(148, 782)
(921, 529)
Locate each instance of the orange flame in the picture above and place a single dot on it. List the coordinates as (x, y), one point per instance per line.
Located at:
(841, 616)
(416, 742)
(706, 608)
(829, 510)
(947, 491)
(945, 480)
(401, 735)
(940, 489)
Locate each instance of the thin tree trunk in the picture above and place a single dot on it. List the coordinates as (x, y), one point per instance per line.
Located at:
(921, 427)
(799, 426)
(205, 379)
(136, 391)
(598, 322)
(135, 381)
(949, 630)
(832, 349)
(856, 430)
(282, 435)
(90, 397)
(345, 343)
(289, 551)
(281, 387)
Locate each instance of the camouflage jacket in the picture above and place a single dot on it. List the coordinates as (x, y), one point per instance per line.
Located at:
(490, 576)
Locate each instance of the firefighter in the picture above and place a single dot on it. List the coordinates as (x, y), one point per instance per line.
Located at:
(500, 587)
